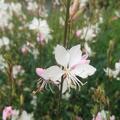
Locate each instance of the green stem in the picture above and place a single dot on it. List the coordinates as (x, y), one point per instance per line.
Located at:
(65, 45)
(66, 23)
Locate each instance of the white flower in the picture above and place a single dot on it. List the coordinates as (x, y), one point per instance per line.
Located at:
(4, 41)
(34, 101)
(23, 116)
(32, 6)
(88, 49)
(3, 64)
(61, 21)
(4, 19)
(83, 3)
(17, 69)
(88, 33)
(35, 53)
(113, 73)
(42, 28)
(15, 8)
(74, 64)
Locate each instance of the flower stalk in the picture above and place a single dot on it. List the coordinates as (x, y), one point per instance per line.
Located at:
(65, 45)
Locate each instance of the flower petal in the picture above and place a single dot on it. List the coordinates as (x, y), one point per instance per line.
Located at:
(42, 73)
(65, 86)
(54, 73)
(84, 70)
(75, 55)
(61, 55)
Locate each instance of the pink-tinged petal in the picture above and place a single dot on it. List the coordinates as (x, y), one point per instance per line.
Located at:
(112, 117)
(99, 116)
(78, 33)
(7, 112)
(83, 70)
(41, 38)
(61, 56)
(54, 73)
(65, 86)
(75, 55)
(40, 71)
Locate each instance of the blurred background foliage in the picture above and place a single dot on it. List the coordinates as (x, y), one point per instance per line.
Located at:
(101, 92)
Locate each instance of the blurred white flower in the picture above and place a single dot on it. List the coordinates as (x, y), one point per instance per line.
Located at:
(5, 16)
(3, 5)
(66, 96)
(34, 101)
(8, 112)
(42, 29)
(23, 116)
(17, 69)
(35, 53)
(15, 8)
(103, 115)
(113, 72)
(83, 3)
(3, 63)
(5, 19)
(5, 42)
(32, 6)
(117, 13)
(87, 33)
(74, 64)
(61, 21)
(88, 49)
(56, 2)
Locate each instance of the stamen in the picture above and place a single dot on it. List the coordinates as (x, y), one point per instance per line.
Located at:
(78, 79)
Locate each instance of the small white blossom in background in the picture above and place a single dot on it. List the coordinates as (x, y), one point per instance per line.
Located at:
(35, 53)
(42, 29)
(32, 6)
(43, 12)
(74, 64)
(30, 48)
(7, 10)
(88, 49)
(23, 116)
(113, 72)
(17, 70)
(117, 13)
(5, 17)
(66, 96)
(102, 115)
(34, 101)
(5, 42)
(15, 8)
(56, 2)
(87, 33)
(3, 64)
(83, 3)
(8, 112)
(61, 21)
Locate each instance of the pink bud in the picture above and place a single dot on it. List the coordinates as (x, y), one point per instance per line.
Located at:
(78, 33)
(41, 38)
(24, 50)
(40, 71)
(98, 117)
(7, 112)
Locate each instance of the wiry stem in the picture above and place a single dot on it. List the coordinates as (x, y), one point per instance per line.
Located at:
(65, 45)
(66, 24)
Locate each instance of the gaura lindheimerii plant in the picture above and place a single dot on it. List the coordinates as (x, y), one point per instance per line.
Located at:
(72, 64)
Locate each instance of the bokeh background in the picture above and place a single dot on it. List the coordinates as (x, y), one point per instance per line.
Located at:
(95, 26)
